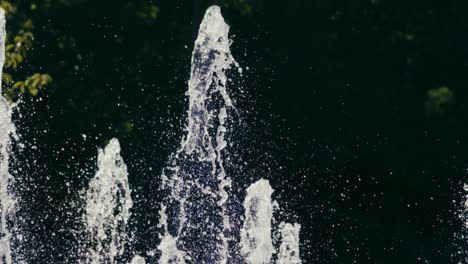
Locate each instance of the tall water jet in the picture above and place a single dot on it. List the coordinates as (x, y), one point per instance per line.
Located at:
(194, 217)
(108, 204)
(7, 130)
(256, 242)
(289, 249)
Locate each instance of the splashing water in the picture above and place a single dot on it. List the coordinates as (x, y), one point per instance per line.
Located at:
(7, 130)
(108, 205)
(289, 249)
(194, 217)
(256, 241)
(462, 252)
(138, 260)
(464, 216)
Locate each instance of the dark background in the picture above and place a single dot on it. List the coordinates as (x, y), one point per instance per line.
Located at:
(355, 111)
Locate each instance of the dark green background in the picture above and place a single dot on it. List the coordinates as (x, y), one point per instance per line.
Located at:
(336, 112)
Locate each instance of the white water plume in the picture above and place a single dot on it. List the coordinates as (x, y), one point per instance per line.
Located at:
(108, 204)
(256, 241)
(289, 249)
(7, 131)
(194, 217)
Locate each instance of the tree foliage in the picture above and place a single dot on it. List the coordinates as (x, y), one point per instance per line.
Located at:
(18, 46)
(437, 100)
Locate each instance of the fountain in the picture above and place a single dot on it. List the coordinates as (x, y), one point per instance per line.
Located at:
(195, 221)
(7, 131)
(194, 216)
(108, 204)
(256, 241)
(289, 249)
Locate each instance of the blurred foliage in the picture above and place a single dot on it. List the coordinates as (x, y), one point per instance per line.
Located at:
(32, 84)
(17, 48)
(16, 52)
(438, 99)
(148, 13)
(405, 36)
(126, 128)
(7, 6)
